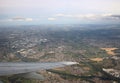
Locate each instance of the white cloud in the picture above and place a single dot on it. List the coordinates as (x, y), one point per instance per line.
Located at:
(29, 19)
(105, 15)
(86, 16)
(89, 16)
(63, 15)
(60, 15)
(113, 17)
(20, 19)
(51, 19)
(77, 16)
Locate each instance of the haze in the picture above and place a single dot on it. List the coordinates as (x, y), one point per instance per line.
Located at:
(35, 12)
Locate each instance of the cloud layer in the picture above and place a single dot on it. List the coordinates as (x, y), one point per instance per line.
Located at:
(21, 19)
(89, 16)
(52, 19)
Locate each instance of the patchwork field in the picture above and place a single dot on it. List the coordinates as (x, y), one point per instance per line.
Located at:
(110, 51)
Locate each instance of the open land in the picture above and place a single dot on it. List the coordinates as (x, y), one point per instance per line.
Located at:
(90, 45)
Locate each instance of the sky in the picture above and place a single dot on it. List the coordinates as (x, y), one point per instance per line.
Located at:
(35, 12)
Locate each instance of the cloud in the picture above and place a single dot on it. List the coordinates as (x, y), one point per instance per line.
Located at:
(20, 19)
(63, 15)
(86, 16)
(90, 16)
(117, 17)
(110, 17)
(29, 19)
(51, 19)
(60, 15)
(76, 16)
(106, 15)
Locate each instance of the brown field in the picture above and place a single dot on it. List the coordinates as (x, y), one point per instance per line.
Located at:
(86, 68)
(97, 59)
(110, 51)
